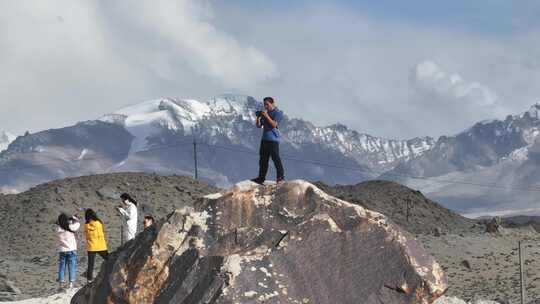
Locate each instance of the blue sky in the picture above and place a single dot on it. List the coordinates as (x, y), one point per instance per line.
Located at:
(493, 17)
(396, 69)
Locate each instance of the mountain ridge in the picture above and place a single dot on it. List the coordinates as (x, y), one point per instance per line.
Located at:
(503, 153)
(222, 121)
(157, 136)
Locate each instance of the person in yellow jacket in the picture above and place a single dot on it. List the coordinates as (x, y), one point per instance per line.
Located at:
(95, 241)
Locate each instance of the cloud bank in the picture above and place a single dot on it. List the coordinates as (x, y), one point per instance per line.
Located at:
(64, 61)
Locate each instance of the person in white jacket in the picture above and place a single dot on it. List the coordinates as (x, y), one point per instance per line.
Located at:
(129, 213)
(67, 247)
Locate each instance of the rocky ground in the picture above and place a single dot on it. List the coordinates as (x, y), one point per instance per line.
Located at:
(407, 207)
(478, 264)
(483, 265)
(58, 298)
(28, 255)
(291, 243)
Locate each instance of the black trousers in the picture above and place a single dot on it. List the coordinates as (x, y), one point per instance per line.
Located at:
(92, 259)
(270, 149)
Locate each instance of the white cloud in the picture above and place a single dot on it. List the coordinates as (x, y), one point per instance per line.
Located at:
(183, 29)
(337, 64)
(64, 61)
(429, 78)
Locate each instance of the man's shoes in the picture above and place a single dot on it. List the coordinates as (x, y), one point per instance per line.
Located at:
(280, 180)
(258, 180)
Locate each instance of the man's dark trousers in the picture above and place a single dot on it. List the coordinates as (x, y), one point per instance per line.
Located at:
(269, 149)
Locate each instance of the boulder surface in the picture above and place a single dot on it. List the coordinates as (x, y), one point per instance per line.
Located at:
(290, 243)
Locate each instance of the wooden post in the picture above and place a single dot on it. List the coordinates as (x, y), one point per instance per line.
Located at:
(521, 274)
(408, 209)
(195, 159)
(195, 165)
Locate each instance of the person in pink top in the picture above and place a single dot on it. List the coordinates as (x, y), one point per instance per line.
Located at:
(67, 247)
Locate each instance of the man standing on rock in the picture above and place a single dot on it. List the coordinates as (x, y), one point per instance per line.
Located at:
(269, 121)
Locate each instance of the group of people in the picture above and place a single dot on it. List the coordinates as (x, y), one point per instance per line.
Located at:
(96, 243)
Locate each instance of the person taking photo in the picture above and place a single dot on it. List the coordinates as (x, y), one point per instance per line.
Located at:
(269, 121)
(128, 211)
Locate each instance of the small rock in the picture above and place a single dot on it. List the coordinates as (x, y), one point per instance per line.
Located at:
(7, 296)
(107, 193)
(9, 287)
(449, 300)
(494, 225)
(59, 190)
(466, 264)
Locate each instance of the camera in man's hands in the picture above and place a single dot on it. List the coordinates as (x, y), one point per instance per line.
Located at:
(258, 113)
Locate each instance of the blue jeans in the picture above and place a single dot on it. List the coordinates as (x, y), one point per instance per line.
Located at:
(69, 259)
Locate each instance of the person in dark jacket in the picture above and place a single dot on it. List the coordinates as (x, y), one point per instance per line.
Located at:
(269, 121)
(148, 221)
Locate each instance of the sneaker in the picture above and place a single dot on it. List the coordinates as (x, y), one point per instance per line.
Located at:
(258, 180)
(280, 180)
(61, 286)
(70, 285)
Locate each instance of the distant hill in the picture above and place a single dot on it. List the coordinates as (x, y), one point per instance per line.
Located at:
(391, 199)
(502, 153)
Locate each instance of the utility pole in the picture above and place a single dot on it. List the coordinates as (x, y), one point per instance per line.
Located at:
(408, 208)
(195, 153)
(521, 274)
(195, 158)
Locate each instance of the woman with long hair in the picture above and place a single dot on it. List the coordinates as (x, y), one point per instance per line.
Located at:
(128, 211)
(95, 241)
(67, 247)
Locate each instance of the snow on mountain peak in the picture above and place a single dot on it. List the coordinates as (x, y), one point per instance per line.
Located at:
(533, 111)
(5, 139)
(147, 121)
(228, 104)
(150, 117)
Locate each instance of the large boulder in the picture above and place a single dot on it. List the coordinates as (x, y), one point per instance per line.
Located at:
(290, 243)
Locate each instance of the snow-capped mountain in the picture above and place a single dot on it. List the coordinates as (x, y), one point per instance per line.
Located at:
(157, 135)
(5, 139)
(504, 153)
(232, 116)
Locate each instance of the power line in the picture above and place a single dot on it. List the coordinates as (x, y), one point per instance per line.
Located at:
(367, 170)
(78, 161)
(189, 144)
